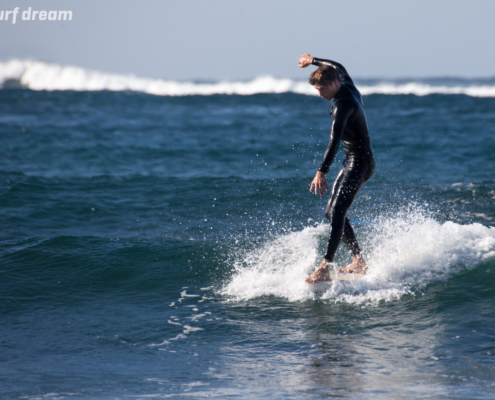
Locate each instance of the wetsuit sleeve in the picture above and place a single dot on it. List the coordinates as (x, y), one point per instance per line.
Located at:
(339, 67)
(341, 113)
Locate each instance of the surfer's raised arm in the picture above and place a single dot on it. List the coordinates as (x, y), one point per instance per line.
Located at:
(306, 60)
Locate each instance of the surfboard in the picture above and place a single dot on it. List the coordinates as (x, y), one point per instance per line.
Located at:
(350, 277)
(344, 277)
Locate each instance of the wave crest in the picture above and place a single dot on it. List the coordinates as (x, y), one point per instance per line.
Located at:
(39, 75)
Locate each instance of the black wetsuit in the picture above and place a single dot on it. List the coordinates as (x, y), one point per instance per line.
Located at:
(350, 127)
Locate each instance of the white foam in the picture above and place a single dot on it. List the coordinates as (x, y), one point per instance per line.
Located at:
(404, 254)
(423, 89)
(278, 268)
(198, 316)
(184, 294)
(188, 329)
(38, 75)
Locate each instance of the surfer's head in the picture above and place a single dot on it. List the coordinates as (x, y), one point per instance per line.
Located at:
(323, 75)
(326, 80)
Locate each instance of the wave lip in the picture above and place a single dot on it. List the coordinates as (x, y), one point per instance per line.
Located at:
(39, 75)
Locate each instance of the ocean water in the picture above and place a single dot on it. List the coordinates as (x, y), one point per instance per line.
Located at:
(156, 236)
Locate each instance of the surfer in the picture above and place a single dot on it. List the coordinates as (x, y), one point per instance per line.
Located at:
(349, 126)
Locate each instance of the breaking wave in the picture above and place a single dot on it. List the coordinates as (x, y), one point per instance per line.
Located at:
(38, 75)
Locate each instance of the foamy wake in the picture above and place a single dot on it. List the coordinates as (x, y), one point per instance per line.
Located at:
(404, 255)
(38, 75)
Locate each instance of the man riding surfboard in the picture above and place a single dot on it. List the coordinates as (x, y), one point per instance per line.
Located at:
(349, 126)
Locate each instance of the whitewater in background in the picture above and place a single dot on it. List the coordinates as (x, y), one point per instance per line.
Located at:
(38, 75)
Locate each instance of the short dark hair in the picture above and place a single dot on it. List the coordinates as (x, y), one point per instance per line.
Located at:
(324, 75)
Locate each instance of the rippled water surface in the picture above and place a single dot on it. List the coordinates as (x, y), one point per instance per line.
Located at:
(156, 246)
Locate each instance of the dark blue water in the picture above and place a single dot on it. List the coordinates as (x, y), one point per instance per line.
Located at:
(157, 247)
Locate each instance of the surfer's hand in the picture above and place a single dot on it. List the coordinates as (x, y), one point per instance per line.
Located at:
(319, 184)
(305, 60)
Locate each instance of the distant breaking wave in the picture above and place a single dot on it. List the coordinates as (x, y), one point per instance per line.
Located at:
(38, 75)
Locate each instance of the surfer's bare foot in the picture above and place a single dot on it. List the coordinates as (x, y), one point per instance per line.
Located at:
(322, 274)
(358, 266)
